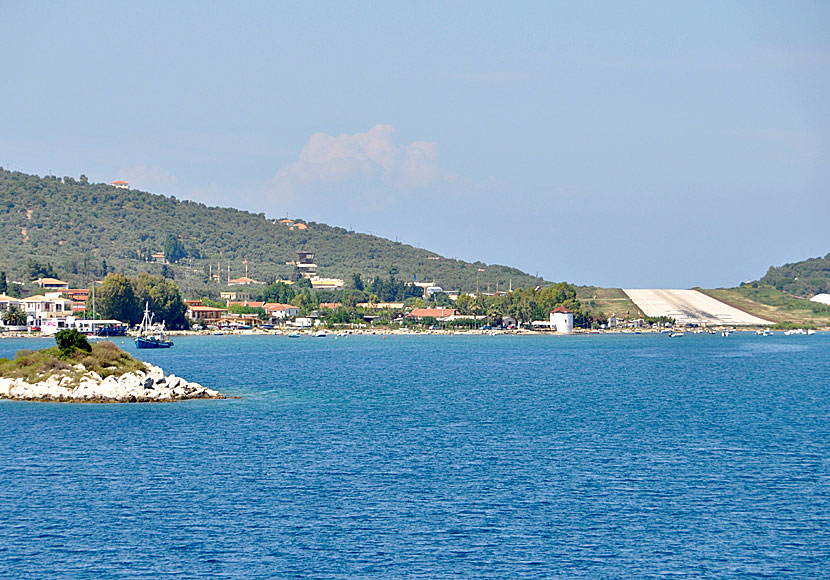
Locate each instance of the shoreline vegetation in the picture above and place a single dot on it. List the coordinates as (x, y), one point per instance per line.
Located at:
(431, 332)
(80, 372)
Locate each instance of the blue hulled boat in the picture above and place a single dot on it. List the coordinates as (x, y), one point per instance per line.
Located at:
(148, 338)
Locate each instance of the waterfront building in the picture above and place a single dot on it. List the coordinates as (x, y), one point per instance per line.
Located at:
(562, 319)
(206, 313)
(281, 311)
(436, 313)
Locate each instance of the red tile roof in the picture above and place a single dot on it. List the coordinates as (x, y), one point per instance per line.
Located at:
(434, 312)
(276, 306)
(207, 309)
(561, 309)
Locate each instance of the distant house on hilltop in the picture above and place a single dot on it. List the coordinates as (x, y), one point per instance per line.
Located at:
(243, 281)
(120, 184)
(52, 283)
(291, 224)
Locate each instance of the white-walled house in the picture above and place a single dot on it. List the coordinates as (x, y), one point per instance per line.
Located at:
(52, 306)
(281, 311)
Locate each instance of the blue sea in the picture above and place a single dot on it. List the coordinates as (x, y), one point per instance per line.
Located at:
(613, 456)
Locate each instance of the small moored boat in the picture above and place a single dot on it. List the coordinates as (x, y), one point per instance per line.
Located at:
(149, 338)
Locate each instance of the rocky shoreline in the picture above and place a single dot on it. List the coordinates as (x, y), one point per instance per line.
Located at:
(148, 386)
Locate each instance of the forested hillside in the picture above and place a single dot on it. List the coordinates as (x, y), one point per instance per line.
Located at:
(806, 278)
(84, 230)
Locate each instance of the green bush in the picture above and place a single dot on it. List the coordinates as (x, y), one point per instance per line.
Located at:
(70, 340)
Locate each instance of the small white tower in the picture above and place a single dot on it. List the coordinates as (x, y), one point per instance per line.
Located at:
(562, 319)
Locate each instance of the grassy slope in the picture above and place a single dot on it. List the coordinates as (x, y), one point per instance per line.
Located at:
(772, 304)
(105, 359)
(607, 301)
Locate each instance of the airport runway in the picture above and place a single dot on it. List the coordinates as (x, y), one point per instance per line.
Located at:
(691, 307)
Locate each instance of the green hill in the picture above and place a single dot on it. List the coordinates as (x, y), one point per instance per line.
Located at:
(82, 230)
(806, 278)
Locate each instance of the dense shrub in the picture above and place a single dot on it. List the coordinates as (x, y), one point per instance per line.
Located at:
(70, 340)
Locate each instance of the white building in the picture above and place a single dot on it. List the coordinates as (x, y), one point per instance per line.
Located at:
(821, 299)
(282, 311)
(562, 319)
(49, 307)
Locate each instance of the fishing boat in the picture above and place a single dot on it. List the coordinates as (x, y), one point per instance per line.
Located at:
(675, 334)
(148, 337)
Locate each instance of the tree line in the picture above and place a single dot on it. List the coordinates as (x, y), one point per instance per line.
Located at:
(124, 298)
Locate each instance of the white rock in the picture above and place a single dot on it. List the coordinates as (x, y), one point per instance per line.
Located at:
(130, 382)
(155, 372)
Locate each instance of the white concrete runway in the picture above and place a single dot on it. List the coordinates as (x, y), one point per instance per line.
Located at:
(691, 307)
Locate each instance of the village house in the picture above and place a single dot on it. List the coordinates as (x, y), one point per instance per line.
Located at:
(326, 283)
(206, 313)
(246, 303)
(51, 283)
(78, 296)
(50, 306)
(229, 295)
(440, 314)
(248, 319)
(243, 281)
(7, 302)
(120, 184)
(281, 311)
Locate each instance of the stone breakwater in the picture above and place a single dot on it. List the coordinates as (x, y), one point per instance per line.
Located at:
(151, 385)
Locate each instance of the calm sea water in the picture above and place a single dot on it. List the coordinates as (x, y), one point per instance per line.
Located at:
(435, 457)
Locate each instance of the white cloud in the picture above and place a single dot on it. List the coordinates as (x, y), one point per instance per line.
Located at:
(365, 160)
(150, 178)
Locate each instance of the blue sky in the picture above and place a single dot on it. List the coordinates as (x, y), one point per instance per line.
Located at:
(619, 144)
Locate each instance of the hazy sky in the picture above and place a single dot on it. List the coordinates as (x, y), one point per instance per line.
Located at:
(620, 144)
